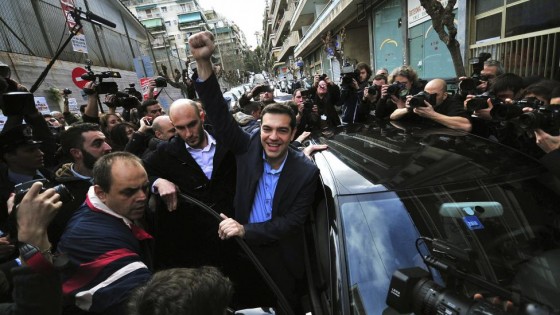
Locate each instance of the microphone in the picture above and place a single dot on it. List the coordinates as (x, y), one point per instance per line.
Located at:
(88, 77)
(98, 19)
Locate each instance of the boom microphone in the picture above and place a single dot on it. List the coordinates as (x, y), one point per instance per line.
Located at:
(96, 18)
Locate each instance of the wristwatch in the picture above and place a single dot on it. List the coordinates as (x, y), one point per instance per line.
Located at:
(26, 251)
(34, 257)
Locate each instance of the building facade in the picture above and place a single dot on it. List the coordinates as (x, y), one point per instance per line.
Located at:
(320, 36)
(171, 22)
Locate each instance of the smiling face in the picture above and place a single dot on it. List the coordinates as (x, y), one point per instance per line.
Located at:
(276, 135)
(128, 191)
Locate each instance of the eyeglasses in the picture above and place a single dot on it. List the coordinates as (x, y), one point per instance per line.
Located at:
(323, 86)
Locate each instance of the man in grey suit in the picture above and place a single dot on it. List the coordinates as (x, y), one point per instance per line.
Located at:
(275, 185)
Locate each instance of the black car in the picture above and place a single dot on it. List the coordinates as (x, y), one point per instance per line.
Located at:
(384, 186)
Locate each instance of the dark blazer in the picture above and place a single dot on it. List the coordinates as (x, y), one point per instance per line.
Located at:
(293, 196)
(188, 237)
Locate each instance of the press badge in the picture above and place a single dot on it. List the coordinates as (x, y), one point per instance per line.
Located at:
(472, 222)
(323, 117)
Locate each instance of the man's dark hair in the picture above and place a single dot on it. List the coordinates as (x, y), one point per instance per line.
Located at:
(540, 90)
(183, 291)
(145, 104)
(276, 108)
(103, 166)
(363, 65)
(251, 107)
(73, 137)
(380, 77)
(507, 81)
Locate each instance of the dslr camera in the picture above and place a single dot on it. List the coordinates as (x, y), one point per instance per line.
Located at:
(374, 90)
(398, 89)
(418, 100)
(22, 189)
(546, 117)
(503, 111)
(161, 82)
(480, 102)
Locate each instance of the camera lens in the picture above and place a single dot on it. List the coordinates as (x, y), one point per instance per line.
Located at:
(65, 195)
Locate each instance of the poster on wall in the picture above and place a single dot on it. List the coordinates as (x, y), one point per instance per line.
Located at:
(41, 104)
(73, 106)
(417, 14)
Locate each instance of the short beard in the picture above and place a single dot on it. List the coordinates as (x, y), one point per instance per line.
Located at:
(89, 160)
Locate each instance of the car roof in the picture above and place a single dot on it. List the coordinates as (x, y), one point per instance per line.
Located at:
(385, 156)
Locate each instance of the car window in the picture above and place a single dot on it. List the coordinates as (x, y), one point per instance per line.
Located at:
(512, 228)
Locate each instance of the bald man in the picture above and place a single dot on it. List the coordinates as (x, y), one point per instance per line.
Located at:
(437, 107)
(194, 163)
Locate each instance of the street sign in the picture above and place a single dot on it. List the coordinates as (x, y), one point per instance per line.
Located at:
(77, 77)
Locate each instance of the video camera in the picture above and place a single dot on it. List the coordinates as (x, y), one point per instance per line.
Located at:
(101, 87)
(468, 85)
(412, 290)
(349, 74)
(66, 91)
(418, 100)
(127, 98)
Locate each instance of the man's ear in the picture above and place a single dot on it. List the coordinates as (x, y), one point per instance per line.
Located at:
(100, 193)
(76, 154)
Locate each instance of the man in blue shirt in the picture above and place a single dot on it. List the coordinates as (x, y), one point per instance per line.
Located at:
(275, 185)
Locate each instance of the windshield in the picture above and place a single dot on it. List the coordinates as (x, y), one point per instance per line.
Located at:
(513, 228)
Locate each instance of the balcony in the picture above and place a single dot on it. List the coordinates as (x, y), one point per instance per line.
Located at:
(288, 45)
(190, 19)
(154, 25)
(304, 14)
(284, 23)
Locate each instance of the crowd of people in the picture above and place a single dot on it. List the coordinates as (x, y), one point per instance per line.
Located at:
(100, 199)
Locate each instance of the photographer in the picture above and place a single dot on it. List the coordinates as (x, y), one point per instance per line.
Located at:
(18, 105)
(351, 96)
(36, 285)
(24, 161)
(372, 94)
(403, 81)
(435, 104)
(265, 93)
(319, 110)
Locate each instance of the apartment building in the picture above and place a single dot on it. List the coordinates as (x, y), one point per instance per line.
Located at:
(307, 37)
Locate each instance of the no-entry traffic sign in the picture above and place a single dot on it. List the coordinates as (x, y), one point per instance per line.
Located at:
(77, 77)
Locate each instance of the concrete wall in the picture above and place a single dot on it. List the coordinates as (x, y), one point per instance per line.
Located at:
(26, 69)
(356, 45)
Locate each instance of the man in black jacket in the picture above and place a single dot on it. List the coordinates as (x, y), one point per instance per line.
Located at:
(276, 184)
(193, 163)
(83, 144)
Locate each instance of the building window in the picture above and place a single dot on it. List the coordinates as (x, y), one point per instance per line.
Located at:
(520, 17)
(163, 9)
(167, 23)
(183, 7)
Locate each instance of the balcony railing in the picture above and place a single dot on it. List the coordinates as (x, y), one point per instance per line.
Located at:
(533, 54)
(290, 42)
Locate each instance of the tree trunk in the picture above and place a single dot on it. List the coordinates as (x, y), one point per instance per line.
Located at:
(442, 19)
